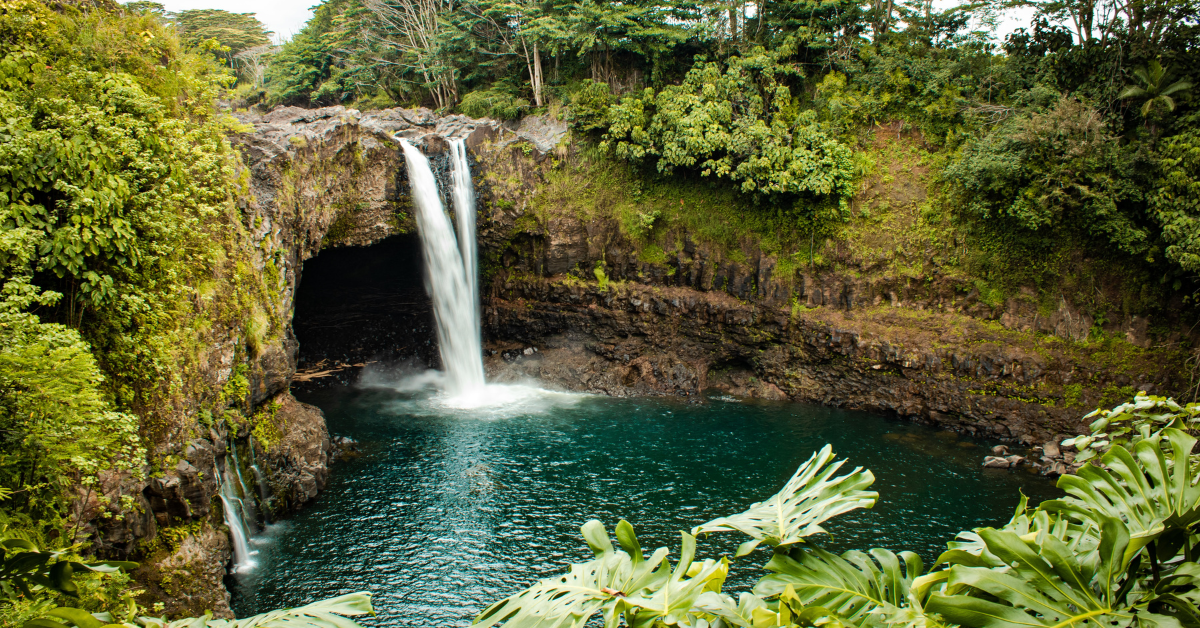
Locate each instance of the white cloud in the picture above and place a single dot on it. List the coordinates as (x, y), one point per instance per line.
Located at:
(284, 17)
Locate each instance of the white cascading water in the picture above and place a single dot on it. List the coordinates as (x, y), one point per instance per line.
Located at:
(249, 512)
(455, 302)
(238, 532)
(464, 211)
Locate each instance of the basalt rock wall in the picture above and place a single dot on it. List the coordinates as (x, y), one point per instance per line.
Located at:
(572, 298)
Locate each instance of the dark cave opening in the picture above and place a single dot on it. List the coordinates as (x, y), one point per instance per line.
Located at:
(361, 305)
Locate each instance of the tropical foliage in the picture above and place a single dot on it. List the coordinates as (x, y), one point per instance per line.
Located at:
(1120, 549)
(1066, 137)
(29, 572)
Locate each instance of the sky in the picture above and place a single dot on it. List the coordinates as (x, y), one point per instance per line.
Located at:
(287, 17)
(284, 17)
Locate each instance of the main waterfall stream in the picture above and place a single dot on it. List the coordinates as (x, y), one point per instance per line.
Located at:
(465, 492)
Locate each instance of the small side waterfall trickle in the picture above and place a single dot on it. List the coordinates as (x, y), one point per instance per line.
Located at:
(249, 511)
(450, 273)
(259, 481)
(233, 506)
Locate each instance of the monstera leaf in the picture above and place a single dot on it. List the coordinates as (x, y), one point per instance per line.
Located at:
(1152, 492)
(852, 587)
(1045, 584)
(331, 613)
(810, 498)
(968, 548)
(675, 602)
(602, 584)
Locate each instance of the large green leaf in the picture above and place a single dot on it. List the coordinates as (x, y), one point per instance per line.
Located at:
(331, 613)
(1151, 491)
(675, 602)
(968, 548)
(1043, 584)
(24, 568)
(810, 498)
(853, 587)
(601, 584)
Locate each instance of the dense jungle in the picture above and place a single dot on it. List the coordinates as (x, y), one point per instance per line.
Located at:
(365, 325)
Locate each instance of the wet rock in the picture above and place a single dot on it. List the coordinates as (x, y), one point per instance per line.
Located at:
(1000, 450)
(1051, 450)
(1014, 460)
(996, 462)
(186, 574)
(297, 464)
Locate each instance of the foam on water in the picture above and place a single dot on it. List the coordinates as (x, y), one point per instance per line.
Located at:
(425, 394)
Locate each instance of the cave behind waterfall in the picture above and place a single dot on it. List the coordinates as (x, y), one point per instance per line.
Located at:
(359, 305)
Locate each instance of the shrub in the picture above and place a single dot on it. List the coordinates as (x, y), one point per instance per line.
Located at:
(494, 102)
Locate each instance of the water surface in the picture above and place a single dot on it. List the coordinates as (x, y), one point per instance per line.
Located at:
(449, 510)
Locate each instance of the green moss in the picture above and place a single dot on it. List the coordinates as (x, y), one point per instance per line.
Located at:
(601, 277)
(653, 254)
(265, 429)
(1072, 393)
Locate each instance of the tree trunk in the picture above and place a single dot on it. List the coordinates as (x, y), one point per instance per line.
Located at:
(533, 64)
(537, 73)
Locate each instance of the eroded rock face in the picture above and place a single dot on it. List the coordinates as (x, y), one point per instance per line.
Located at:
(297, 465)
(637, 340)
(929, 348)
(188, 575)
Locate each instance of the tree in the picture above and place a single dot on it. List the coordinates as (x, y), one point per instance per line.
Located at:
(736, 121)
(236, 32)
(414, 29)
(252, 63)
(1154, 90)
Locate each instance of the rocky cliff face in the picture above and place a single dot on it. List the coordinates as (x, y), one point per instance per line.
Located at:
(313, 179)
(577, 299)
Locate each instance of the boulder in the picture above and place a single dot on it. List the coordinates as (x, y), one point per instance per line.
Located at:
(996, 462)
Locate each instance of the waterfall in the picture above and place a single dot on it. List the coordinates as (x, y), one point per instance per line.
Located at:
(258, 475)
(258, 479)
(450, 272)
(249, 513)
(464, 211)
(232, 505)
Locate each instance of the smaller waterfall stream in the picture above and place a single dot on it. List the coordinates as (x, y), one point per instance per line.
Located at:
(249, 512)
(231, 503)
(463, 192)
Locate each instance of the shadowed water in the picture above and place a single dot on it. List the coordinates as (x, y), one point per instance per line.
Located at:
(448, 510)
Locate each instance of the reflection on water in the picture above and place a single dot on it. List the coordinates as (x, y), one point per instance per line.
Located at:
(451, 508)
